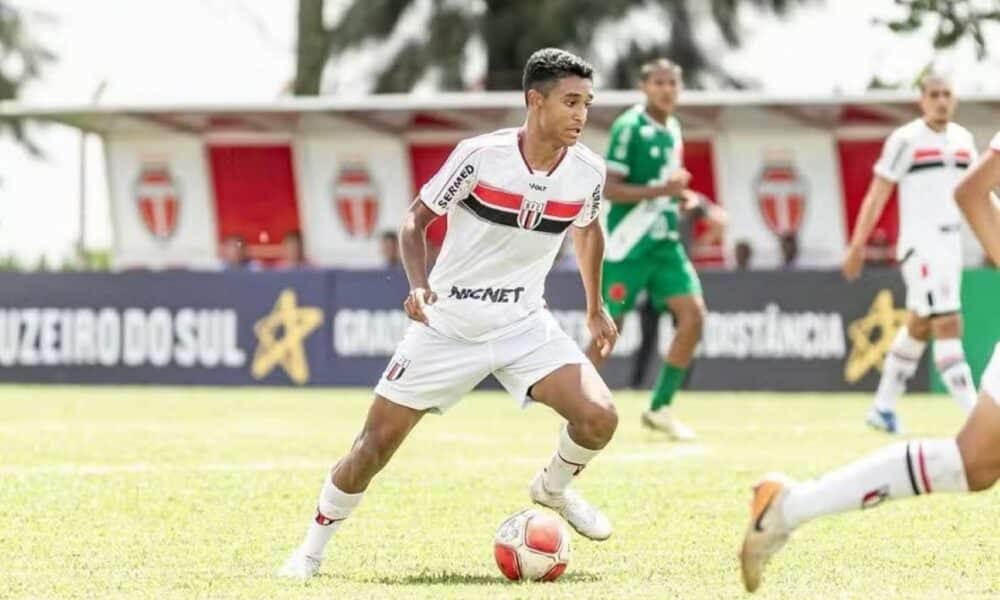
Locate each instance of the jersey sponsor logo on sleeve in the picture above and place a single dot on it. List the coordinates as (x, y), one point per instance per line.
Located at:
(457, 184)
(487, 294)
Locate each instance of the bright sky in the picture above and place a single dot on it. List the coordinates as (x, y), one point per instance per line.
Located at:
(241, 50)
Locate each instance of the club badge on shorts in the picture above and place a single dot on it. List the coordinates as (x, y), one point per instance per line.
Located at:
(396, 368)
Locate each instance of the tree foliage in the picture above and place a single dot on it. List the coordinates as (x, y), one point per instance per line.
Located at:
(510, 30)
(22, 60)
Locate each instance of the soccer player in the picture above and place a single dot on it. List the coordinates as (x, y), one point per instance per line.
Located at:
(969, 462)
(648, 190)
(925, 158)
(511, 197)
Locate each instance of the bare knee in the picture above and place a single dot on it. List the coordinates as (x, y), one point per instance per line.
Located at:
(946, 327)
(919, 329)
(691, 321)
(597, 424)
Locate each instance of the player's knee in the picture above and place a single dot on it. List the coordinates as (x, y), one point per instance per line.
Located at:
(947, 327)
(981, 462)
(919, 329)
(600, 422)
(692, 320)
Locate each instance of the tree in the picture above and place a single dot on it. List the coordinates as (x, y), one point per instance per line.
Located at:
(510, 31)
(22, 59)
(956, 20)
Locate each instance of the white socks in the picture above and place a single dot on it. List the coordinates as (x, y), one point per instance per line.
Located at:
(898, 471)
(570, 458)
(955, 372)
(900, 364)
(333, 508)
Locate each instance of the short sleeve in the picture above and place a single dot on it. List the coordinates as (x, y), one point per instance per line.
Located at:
(619, 154)
(454, 180)
(592, 205)
(995, 142)
(897, 155)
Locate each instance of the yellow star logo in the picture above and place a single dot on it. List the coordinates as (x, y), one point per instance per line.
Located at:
(281, 336)
(872, 335)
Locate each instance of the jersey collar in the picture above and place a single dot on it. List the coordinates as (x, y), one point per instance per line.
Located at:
(524, 159)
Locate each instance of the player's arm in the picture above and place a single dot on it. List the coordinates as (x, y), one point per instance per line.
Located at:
(892, 165)
(697, 207)
(588, 242)
(413, 251)
(974, 198)
(618, 191)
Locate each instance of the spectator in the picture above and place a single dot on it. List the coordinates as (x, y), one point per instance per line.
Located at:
(789, 250)
(391, 258)
(744, 254)
(234, 254)
(292, 256)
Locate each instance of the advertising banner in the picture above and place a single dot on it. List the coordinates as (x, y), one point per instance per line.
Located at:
(771, 330)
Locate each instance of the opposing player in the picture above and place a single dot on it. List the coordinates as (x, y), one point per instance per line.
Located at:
(648, 190)
(969, 462)
(925, 158)
(511, 196)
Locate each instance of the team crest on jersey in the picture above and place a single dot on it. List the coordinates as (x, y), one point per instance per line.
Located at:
(355, 200)
(158, 200)
(397, 368)
(782, 195)
(530, 215)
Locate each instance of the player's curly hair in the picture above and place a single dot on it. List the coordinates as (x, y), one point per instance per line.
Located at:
(547, 66)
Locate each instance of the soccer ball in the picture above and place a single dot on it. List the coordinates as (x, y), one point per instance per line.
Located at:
(532, 545)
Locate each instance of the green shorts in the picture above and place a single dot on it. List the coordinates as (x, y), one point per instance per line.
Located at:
(664, 276)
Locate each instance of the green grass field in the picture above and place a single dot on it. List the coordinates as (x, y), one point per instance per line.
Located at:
(180, 493)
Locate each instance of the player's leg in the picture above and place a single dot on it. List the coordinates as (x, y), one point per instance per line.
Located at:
(677, 286)
(429, 372)
(970, 462)
(579, 395)
(543, 364)
(622, 281)
(384, 430)
(949, 356)
(901, 362)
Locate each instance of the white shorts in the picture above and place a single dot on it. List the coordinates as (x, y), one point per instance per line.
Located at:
(431, 371)
(933, 285)
(990, 383)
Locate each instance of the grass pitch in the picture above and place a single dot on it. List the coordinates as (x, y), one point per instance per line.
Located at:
(181, 493)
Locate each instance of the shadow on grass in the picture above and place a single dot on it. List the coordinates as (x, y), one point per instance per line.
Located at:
(450, 578)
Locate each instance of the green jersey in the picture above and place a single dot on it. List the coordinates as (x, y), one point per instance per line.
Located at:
(646, 152)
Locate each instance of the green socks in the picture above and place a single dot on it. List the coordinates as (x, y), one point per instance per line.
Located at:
(667, 384)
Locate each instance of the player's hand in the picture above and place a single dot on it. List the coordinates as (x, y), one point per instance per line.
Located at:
(677, 183)
(415, 303)
(854, 261)
(604, 331)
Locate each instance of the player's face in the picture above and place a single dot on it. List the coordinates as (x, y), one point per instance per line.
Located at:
(563, 111)
(662, 87)
(937, 102)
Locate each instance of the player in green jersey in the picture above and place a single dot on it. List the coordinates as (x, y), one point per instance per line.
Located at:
(647, 187)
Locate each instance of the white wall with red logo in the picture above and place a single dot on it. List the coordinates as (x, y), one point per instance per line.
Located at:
(341, 184)
(163, 211)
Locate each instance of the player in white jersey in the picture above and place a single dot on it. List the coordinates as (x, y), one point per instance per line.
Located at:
(511, 196)
(925, 159)
(968, 462)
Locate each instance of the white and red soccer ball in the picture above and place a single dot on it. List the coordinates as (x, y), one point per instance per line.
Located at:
(532, 545)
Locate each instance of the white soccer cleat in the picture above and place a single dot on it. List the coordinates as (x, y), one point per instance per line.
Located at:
(663, 420)
(300, 566)
(580, 514)
(767, 532)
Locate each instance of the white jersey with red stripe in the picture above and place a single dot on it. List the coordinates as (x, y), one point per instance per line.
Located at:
(506, 224)
(927, 165)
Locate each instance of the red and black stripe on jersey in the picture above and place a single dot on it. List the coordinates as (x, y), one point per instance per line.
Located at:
(932, 158)
(499, 206)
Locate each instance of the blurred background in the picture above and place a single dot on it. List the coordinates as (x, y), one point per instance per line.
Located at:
(211, 154)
